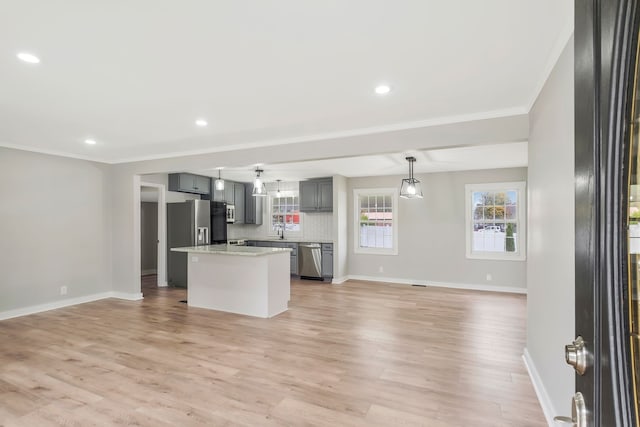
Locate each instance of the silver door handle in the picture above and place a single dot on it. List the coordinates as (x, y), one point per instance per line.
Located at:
(576, 355)
(578, 413)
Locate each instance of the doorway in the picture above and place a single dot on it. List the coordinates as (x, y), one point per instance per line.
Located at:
(152, 233)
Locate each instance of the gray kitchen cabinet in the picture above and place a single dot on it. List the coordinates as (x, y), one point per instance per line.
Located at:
(227, 195)
(262, 244)
(316, 195)
(252, 206)
(238, 192)
(327, 260)
(229, 192)
(189, 183)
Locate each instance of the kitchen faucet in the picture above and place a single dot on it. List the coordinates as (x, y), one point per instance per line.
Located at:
(281, 231)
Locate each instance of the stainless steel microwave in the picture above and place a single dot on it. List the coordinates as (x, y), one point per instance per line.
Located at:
(231, 214)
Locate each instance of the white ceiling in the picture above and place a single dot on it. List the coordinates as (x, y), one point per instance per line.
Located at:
(135, 76)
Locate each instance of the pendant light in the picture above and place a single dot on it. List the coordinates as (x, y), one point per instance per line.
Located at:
(411, 188)
(259, 189)
(219, 184)
(278, 193)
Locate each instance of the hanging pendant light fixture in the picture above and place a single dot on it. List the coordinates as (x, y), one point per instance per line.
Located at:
(219, 184)
(259, 189)
(411, 188)
(278, 193)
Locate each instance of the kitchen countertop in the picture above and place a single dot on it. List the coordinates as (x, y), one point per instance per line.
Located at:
(286, 240)
(231, 250)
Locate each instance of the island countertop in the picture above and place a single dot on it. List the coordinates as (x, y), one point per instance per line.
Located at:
(231, 250)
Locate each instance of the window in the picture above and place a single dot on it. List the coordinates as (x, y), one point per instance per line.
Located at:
(495, 221)
(285, 213)
(376, 227)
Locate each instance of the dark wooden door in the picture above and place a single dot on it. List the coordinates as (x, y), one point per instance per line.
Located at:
(605, 54)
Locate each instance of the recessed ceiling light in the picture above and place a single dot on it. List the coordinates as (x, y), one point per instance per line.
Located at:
(382, 89)
(27, 57)
(90, 141)
(201, 122)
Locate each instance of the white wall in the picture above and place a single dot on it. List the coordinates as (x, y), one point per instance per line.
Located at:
(55, 229)
(550, 268)
(431, 237)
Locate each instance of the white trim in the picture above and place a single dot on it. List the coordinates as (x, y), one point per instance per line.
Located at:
(339, 280)
(429, 283)
(34, 309)
(136, 296)
(521, 188)
(543, 397)
(393, 192)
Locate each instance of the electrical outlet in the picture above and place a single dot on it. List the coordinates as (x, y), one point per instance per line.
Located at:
(195, 259)
(381, 269)
(489, 277)
(63, 290)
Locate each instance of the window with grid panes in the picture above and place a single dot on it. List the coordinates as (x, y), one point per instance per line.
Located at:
(376, 221)
(285, 212)
(495, 221)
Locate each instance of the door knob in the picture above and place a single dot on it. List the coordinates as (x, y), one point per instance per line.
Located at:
(578, 413)
(576, 355)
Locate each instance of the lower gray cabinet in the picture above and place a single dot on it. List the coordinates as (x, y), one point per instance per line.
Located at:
(327, 260)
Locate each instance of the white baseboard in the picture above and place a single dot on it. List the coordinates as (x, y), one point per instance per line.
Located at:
(137, 296)
(538, 386)
(24, 311)
(147, 272)
(474, 287)
(339, 280)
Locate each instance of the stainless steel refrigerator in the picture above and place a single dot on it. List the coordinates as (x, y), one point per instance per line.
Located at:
(188, 224)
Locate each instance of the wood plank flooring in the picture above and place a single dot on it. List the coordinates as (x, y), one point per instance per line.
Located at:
(357, 354)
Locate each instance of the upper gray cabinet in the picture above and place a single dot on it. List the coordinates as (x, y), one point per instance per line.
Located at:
(252, 206)
(238, 195)
(316, 195)
(189, 183)
(227, 194)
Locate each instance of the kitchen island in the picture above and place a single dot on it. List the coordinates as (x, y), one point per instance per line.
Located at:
(238, 279)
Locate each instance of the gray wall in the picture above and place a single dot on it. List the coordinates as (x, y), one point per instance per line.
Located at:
(149, 236)
(550, 269)
(55, 228)
(340, 228)
(432, 233)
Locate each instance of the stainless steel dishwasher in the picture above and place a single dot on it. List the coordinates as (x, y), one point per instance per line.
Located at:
(310, 261)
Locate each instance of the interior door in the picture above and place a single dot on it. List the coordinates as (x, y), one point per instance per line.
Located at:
(606, 34)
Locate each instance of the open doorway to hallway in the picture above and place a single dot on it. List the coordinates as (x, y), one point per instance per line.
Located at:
(152, 237)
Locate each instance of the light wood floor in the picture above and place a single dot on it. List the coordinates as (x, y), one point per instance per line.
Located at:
(357, 354)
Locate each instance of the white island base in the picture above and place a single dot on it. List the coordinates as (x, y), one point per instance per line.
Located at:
(244, 280)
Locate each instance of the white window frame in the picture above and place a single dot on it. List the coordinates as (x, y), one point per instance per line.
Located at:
(357, 192)
(274, 233)
(520, 187)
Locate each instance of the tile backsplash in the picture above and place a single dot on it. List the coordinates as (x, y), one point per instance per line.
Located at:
(315, 226)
